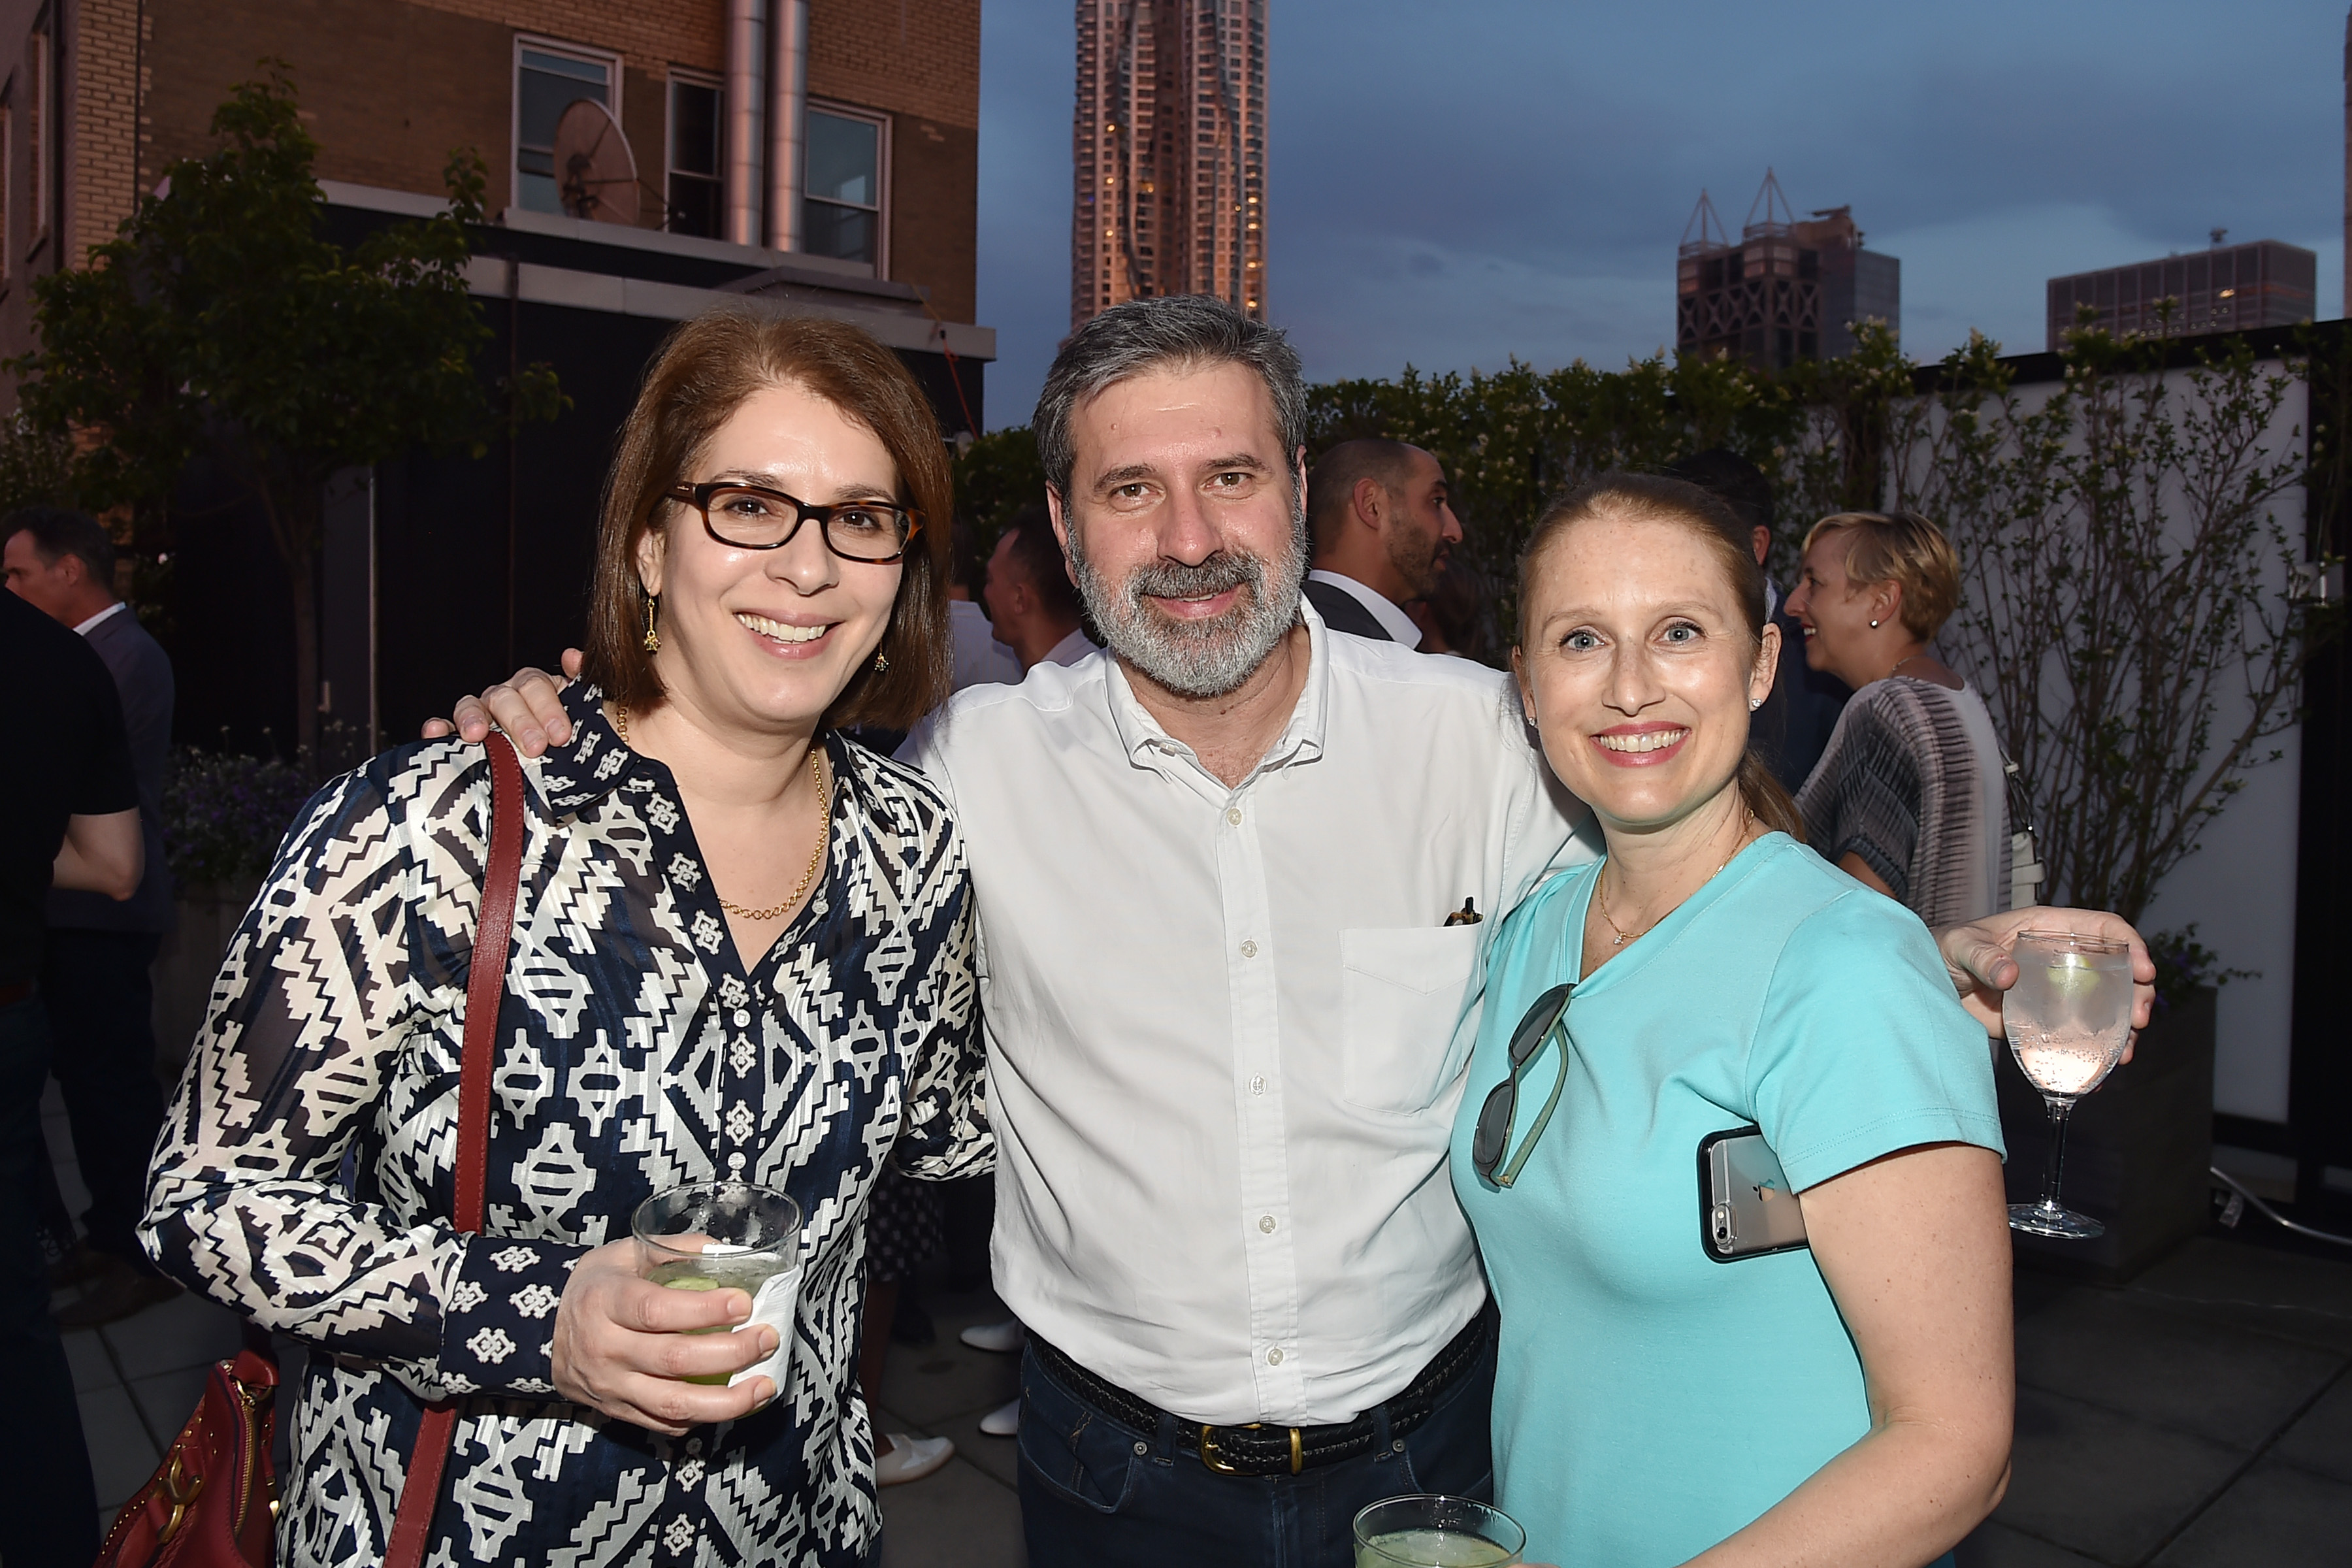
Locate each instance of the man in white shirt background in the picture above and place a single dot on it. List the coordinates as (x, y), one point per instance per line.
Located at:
(1030, 596)
(1383, 528)
(1235, 888)
(981, 656)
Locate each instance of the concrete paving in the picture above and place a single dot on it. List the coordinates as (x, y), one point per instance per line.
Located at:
(2199, 1417)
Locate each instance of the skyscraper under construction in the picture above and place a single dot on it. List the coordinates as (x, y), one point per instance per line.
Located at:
(1170, 151)
(1784, 291)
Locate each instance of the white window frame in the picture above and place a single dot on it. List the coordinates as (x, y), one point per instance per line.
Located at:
(681, 77)
(43, 120)
(585, 53)
(881, 121)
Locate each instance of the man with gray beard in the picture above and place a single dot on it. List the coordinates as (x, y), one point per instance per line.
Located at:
(1236, 877)
(1215, 868)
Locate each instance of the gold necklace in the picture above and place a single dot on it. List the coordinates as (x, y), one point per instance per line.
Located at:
(1600, 892)
(817, 857)
(1903, 660)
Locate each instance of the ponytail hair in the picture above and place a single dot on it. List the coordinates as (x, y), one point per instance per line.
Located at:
(1652, 498)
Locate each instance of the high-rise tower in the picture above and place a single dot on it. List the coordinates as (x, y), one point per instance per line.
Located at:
(1170, 153)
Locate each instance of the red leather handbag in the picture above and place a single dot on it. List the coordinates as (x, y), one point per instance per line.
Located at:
(214, 1502)
(215, 1499)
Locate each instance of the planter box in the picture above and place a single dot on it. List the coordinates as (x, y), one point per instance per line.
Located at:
(188, 962)
(2137, 1150)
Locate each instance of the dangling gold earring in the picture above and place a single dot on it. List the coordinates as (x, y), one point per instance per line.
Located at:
(881, 662)
(653, 621)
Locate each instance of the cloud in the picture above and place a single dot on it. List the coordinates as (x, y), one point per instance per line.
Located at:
(1449, 182)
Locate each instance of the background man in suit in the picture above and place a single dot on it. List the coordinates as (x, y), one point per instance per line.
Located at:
(1030, 596)
(1382, 529)
(1793, 726)
(94, 974)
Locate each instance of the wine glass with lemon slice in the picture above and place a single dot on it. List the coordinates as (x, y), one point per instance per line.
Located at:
(2068, 1018)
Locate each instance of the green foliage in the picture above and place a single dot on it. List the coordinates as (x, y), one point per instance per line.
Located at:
(1512, 440)
(220, 320)
(2183, 964)
(2125, 612)
(996, 476)
(37, 466)
(224, 814)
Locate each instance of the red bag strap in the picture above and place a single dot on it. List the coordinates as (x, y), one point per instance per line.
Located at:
(485, 988)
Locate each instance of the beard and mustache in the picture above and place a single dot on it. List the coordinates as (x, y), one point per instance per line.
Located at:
(1198, 657)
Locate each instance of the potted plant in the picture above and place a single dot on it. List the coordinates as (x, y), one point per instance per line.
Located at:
(2131, 618)
(224, 816)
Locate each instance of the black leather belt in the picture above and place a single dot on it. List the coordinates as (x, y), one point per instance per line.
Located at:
(1258, 1449)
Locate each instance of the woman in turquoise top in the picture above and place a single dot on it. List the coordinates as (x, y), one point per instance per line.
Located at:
(1848, 1403)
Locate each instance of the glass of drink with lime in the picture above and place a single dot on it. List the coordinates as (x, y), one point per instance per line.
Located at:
(1430, 1529)
(2068, 1018)
(720, 1236)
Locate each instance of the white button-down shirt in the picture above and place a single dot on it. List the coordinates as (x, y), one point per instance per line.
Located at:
(1390, 614)
(1227, 1026)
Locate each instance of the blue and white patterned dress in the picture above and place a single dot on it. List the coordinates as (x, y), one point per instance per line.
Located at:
(636, 1051)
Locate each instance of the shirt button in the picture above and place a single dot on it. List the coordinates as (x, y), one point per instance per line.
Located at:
(735, 1162)
(1233, 815)
(742, 1018)
(1249, 950)
(1273, 1356)
(1258, 1084)
(1266, 1223)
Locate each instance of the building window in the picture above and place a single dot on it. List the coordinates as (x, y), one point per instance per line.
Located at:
(843, 209)
(548, 78)
(38, 123)
(696, 134)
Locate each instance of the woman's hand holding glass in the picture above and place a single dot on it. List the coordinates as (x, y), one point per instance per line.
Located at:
(625, 1346)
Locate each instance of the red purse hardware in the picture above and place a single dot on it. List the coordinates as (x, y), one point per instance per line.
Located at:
(484, 987)
(214, 1501)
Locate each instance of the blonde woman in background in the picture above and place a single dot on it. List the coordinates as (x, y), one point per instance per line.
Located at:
(1909, 797)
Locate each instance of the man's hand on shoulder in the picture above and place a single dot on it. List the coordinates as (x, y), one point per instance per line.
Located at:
(1978, 956)
(529, 706)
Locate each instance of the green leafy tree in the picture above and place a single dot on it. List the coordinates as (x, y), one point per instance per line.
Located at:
(996, 476)
(220, 320)
(1511, 439)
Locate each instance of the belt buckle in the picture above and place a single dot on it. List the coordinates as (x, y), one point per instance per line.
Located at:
(1215, 1460)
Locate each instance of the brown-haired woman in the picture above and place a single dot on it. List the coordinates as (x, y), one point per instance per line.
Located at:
(1658, 1400)
(1910, 796)
(743, 949)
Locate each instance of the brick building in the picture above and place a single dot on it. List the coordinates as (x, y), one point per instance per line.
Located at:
(819, 155)
(1169, 151)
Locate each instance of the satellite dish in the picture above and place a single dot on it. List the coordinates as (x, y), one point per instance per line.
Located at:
(594, 170)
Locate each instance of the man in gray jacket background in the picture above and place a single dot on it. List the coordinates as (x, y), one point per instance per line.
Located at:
(95, 973)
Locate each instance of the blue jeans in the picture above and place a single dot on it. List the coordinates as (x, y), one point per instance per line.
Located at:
(46, 1499)
(1095, 1491)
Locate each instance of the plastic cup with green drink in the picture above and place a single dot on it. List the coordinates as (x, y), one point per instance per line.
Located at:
(728, 1236)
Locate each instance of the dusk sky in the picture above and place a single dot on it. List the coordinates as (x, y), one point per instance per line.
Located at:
(1451, 185)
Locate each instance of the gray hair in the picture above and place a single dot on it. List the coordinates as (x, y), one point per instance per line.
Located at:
(1169, 330)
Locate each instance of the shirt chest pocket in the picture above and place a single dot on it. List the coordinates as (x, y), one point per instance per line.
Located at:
(1401, 993)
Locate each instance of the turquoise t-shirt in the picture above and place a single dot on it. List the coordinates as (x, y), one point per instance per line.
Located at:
(1649, 1400)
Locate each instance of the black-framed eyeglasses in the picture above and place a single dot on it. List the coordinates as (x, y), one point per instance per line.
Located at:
(752, 517)
(1492, 1137)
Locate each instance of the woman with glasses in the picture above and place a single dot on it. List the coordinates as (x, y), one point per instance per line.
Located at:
(1661, 1398)
(742, 948)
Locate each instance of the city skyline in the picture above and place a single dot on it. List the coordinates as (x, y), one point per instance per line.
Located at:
(1452, 188)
